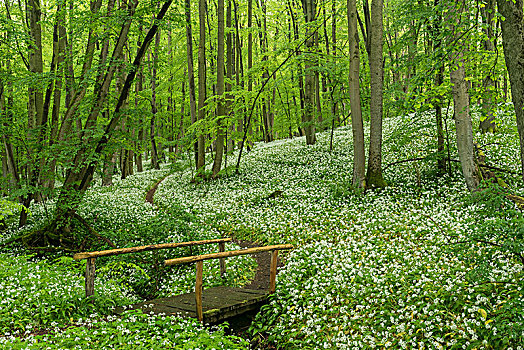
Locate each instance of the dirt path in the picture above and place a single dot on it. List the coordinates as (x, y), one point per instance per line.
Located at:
(261, 279)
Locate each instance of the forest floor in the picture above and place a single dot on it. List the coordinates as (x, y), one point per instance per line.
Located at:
(420, 264)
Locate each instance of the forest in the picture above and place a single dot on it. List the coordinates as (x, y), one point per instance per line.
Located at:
(382, 140)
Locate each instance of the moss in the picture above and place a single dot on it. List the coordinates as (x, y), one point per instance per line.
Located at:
(375, 180)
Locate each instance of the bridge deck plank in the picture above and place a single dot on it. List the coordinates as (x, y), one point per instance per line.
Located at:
(219, 303)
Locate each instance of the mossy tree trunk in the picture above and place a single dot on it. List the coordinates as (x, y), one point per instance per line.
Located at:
(374, 176)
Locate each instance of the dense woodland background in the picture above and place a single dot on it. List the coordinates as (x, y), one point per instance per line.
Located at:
(97, 88)
(384, 139)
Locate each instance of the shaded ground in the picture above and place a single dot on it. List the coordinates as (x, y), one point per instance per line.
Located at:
(261, 279)
(239, 325)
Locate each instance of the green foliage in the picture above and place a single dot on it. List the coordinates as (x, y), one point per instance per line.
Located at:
(134, 330)
(39, 294)
(9, 208)
(497, 225)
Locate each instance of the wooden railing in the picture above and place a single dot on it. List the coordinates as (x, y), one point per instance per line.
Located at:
(91, 256)
(199, 260)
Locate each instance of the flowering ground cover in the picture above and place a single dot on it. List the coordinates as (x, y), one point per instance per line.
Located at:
(420, 264)
(43, 303)
(406, 267)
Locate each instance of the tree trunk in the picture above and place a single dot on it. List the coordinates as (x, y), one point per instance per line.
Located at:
(154, 108)
(249, 64)
(239, 71)
(221, 110)
(374, 172)
(229, 71)
(513, 42)
(439, 80)
(191, 73)
(180, 133)
(359, 155)
(61, 42)
(310, 92)
(37, 122)
(201, 161)
(140, 138)
(461, 106)
(262, 26)
(488, 16)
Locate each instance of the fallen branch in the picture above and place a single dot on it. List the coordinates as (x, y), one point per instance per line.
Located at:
(490, 167)
(92, 231)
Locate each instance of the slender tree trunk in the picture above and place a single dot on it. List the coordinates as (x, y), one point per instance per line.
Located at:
(6, 113)
(221, 106)
(191, 74)
(201, 83)
(262, 25)
(461, 105)
(154, 107)
(513, 42)
(359, 155)
(73, 99)
(318, 101)
(180, 133)
(229, 71)
(170, 101)
(6, 117)
(439, 80)
(140, 138)
(310, 92)
(61, 41)
(249, 65)
(374, 172)
(488, 16)
(37, 121)
(239, 70)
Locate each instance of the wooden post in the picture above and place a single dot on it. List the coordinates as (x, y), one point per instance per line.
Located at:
(221, 249)
(198, 290)
(273, 272)
(90, 276)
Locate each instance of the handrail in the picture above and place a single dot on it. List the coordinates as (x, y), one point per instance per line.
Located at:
(199, 260)
(97, 254)
(195, 258)
(91, 257)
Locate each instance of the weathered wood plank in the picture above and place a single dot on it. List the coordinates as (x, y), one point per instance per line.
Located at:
(198, 290)
(90, 277)
(218, 304)
(190, 259)
(273, 272)
(86, 255)
(221, 249)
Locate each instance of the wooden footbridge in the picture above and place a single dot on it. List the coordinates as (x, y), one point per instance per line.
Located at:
(212, 305)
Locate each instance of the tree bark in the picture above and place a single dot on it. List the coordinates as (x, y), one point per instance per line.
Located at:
(221, 110)
(310, 92)
(201, 161)
(439, 80)
(461, 107)
(374, 172)
(191, 72)
(359, 155)
(488, 17)
(154, 108)
(513, 43)
(230, 61)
